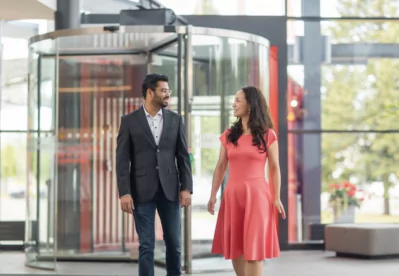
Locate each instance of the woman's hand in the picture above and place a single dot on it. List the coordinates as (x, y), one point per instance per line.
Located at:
(280, 208)
(211, 205)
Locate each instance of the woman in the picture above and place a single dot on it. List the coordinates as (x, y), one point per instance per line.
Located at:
(245, 230)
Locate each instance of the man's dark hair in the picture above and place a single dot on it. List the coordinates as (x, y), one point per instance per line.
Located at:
(151, 81)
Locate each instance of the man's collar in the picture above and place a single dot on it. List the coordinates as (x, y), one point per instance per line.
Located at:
(148, 114)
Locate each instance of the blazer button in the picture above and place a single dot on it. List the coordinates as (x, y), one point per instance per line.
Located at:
(158, 150)
(157, 167)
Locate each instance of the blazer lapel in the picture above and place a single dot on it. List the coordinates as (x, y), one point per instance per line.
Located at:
(165, 123)
(144, 123)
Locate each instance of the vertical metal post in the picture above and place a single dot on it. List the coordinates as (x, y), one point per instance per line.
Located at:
(188, 79)
(311, 169)
(55, 147)
(38, 148)
(67, 15)
(180, 85)
(180, 71)
(49, 197)
(224, 117)
(123, 113)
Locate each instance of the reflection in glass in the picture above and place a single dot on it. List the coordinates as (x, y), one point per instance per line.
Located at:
(359, 181)
(91, 101)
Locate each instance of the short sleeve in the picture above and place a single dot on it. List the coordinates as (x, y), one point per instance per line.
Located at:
(271, 137)
(223, 137)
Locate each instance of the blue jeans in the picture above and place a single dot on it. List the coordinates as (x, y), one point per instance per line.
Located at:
(144, 217)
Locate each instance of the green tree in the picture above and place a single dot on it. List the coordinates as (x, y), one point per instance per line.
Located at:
(362, 97)
(338, 113)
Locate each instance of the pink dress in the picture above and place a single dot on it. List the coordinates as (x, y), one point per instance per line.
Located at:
(246, 220)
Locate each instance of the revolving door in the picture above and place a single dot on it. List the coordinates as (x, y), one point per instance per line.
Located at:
(81, 82)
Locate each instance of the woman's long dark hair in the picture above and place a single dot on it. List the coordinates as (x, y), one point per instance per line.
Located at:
(259, 121)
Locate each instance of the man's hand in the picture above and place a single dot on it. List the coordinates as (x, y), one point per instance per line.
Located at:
(185, 198)
(127, 204)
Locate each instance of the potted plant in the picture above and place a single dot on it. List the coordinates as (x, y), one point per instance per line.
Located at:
(344, 201)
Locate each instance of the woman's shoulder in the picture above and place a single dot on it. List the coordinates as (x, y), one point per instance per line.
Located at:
(270, 131)
(223, 136)
(270, 136)
(227, 130)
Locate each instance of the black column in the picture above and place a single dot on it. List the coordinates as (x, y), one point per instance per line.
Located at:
(68, 173)
(312, 61)
(67, 15)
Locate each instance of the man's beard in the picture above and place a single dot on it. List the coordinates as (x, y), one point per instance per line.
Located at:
(160, 102)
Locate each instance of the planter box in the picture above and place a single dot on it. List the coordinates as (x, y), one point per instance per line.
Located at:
(347, 215)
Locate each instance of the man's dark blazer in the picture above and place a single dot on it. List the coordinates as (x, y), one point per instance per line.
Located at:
(140, 162)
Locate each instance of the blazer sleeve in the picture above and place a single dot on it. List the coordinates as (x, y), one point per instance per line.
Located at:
(183, 159)
(123, 158)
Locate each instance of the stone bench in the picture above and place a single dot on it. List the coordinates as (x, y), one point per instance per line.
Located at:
(363, 240)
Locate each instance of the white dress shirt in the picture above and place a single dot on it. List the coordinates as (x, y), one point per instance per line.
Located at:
(155, 123)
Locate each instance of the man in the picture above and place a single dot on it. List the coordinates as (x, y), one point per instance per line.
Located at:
(150, 142)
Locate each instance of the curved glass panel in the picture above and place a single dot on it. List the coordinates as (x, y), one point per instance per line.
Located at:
(40, 245)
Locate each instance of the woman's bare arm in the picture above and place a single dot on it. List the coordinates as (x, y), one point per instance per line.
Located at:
(219, 172)
(274, 168)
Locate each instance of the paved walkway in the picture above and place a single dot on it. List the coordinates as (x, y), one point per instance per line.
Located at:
(293, 263)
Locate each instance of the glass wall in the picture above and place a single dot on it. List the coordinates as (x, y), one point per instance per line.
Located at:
(13, 94)
(342, 110)
(13, 137)
(41, 151)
